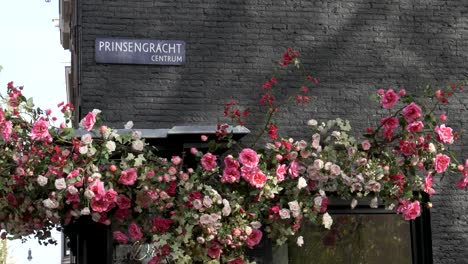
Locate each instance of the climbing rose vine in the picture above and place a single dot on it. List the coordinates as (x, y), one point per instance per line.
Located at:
(213, 211)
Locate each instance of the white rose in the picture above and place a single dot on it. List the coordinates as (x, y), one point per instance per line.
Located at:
(138, 145)
(200, 240)
(51, 204)
(72, 190)
(83, 150)
(374, 203)
(227, 208)
(354, 203)
(301, 183)
(96, 112)
(128, 125)
(327, 165)
(96, 175)
(87, 139)
(327, 221)
(312, 122)
(110, 145)
(89, 194)
(136, 134)
(300, 241)
(207, 202)
(336, 134)
(284, 214)
(318, 201)
(85, 211)
(60, 184)
(318, 164)
(432, 148)
(256, 224)
(295, 208)
(248, 230)
(41, 180)
(91, 151)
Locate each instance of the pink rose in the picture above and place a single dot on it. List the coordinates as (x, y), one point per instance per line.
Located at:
(230, 162)
(441, 162)
(88, 121)
(128, 176)
(428, 185)
(390, 122)
(407, 148)
(99, 204)
(258, 179)
(123, 202)
(410, 210)
(389, 99)
(249, 158)
(134, 231)
(444, 134)
(176, 160)
(97, 186)
(120, 237)
(40, 131)
(7, 128)
(110, 195)
(254, 238)
(215, 250)
(230, 175)
(412, 112)
(366, 145)
(236, 261)
(208, 161)
(462, 183)
(280, 172)
(293, 169)
(415, 127)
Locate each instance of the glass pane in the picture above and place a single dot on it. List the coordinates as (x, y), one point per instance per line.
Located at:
(355, 239)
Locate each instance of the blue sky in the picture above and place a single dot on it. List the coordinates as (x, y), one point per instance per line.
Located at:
(31, 55)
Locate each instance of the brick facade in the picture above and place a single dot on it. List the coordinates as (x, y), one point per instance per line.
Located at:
(352, 46)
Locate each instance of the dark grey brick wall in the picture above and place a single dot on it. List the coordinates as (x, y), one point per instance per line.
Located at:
(352, 46)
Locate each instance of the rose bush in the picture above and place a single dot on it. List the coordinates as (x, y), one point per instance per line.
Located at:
(212, 212)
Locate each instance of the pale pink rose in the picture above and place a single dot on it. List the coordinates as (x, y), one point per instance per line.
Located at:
(88, 121)
(134, 231)
(365, 144)
(444, 134)
(247, 172)
(230, 175)
(293, 169)
(335, 170)
(258, 179)
(412, 112)
(428, 185)
(208, 161)
(254, 238)
(249, 158)
(40, 131)
(441, 162)
(415, 127)
(7, 128)
(176, 160)
(410, 210)
(389, 99)
(284, 213)
(120, 237)
(280, 172)
(128, 176)
(204, 138)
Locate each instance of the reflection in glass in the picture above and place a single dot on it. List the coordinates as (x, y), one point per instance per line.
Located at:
(355, 239)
